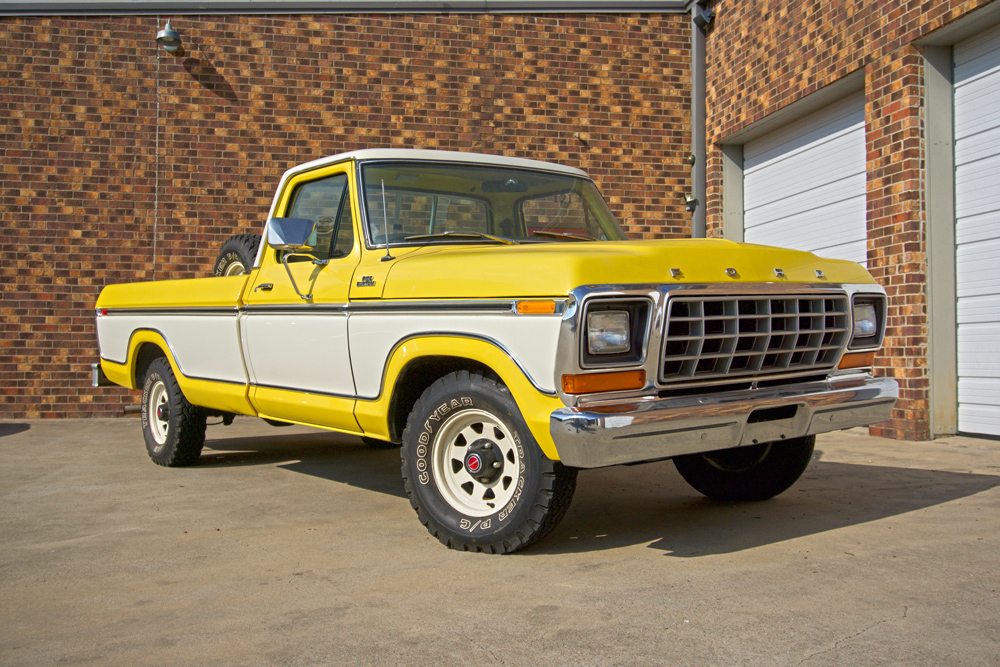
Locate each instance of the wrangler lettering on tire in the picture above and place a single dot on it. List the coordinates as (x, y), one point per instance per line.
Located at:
(473, 472)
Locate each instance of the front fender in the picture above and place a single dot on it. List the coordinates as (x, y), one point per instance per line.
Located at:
(536, 406)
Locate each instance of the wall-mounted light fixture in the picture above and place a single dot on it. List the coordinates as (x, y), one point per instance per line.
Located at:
(703, 19)
(170, 40)
(690, 203)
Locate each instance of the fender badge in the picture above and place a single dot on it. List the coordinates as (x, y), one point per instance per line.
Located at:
(366, 281)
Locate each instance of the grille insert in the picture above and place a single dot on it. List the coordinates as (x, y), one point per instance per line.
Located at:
(730, 337)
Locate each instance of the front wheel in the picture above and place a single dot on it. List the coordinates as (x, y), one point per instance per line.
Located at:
(474, 474)
(755, 472)
(174, 429)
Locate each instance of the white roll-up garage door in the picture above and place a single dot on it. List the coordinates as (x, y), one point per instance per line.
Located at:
(804, 184)
(977, 231)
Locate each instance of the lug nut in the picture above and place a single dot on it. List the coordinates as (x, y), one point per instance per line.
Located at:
(496, 464)
(488, 445)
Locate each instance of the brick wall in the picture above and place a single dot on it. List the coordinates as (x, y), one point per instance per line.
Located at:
(105, 179)
(766, 54)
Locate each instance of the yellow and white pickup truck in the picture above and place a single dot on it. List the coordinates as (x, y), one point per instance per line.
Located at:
(489, 314)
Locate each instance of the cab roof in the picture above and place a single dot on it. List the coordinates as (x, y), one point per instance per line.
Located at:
(370, 154)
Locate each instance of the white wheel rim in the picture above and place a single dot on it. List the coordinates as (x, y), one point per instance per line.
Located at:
(158, 427)
(235, 269)
(464, 492)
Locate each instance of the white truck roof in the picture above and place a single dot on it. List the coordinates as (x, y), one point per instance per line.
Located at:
(441, 156)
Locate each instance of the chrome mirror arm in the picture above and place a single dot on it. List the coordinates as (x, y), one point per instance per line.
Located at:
(315, 260)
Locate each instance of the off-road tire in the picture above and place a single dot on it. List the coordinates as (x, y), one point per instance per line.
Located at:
(177, 439)
(465, 406)
(237, 255)
(755, 472)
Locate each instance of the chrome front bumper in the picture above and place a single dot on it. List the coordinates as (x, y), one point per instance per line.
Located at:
(649, 429)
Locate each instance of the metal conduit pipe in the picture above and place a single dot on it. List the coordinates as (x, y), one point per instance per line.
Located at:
(701, 18)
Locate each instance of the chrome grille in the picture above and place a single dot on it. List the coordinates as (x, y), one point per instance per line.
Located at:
(707, 338)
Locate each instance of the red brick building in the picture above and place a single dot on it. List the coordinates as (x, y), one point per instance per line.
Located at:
(122, 163)
(866, 130)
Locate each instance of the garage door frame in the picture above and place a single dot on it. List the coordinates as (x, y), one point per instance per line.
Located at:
(939, 192)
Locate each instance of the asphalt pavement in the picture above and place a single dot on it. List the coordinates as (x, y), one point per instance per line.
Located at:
(291, 546)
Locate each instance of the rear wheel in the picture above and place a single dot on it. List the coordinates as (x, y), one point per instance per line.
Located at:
(756, 472)
(474, 474)
(174, 429)
(237, 255)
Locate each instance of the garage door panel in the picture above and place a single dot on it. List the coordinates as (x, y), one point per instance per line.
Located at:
(978, 418)
(980, 309)
(975, 228)
(977, 104)
(799, 175)
(977, 190)
(979, 270)
(826, 200)
(804, 184)
(976, 47)
(800, 135)
(788, 229)
(986, 145)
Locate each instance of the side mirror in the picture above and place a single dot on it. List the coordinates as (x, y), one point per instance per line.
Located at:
(291, 233)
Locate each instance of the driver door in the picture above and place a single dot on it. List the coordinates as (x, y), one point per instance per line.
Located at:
(296, 348)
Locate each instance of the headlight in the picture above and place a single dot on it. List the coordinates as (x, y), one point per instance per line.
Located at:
(608, 332)
(615, 332)
(866, 315)
(865, 320)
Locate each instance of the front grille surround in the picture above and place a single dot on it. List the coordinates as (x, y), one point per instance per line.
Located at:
(715, 338)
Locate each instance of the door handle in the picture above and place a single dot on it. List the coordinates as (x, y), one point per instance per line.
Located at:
(267, 287)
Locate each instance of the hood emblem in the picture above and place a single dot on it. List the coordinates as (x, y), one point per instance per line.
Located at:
(819, 274)
(778, 273)
(675, 273)
(732, 273)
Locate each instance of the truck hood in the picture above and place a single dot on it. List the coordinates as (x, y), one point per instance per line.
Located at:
(554, 269)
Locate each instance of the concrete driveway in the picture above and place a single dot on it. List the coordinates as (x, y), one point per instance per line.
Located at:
(298, 547)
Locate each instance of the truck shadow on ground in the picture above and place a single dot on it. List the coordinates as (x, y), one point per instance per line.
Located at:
(12, 428)
(649, 503)
(617, 507)
(332, 456)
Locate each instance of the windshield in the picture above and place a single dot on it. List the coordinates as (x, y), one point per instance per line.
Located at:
(446, 203)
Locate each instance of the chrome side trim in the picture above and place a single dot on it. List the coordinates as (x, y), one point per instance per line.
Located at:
(662, 428)
(478, 305)
(177, 310)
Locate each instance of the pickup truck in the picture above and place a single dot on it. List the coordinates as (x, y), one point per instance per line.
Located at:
(489, 315)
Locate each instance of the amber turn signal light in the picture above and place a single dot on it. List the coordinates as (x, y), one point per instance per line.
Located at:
(857, 360)
(536, 307)
(590, 383)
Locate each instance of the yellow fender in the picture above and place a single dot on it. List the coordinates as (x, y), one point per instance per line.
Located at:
(535, 406)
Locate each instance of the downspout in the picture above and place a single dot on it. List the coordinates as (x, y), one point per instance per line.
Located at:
(695, 201)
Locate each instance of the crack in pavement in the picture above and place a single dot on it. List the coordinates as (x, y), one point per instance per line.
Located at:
(837, 644)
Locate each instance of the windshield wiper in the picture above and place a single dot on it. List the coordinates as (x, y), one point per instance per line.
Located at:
(460, 235)
(564, 235)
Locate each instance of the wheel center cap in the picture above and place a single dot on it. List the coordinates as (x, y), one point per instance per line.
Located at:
(163, 412)
(484, 461)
